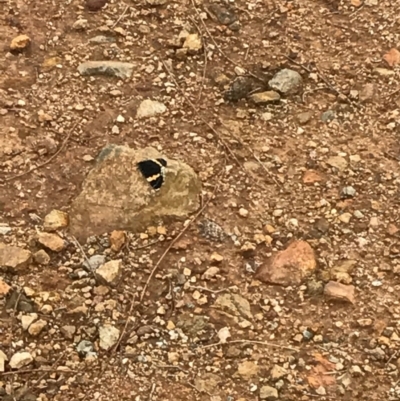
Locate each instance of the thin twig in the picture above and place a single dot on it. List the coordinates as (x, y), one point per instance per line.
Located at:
(25, 371)
(120, 17)
(145, 246)
(203, 80)
(76, 242)
(266, 344)
(49, 160)
(153, 388)
(213, 291)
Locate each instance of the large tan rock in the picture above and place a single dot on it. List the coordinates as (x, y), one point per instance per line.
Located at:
(290, 266)
(14, 257)
(115, 195)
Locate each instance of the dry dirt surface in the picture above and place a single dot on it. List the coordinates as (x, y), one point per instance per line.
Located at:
(286, 287)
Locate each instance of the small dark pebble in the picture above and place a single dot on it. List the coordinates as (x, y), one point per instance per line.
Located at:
(95, 5)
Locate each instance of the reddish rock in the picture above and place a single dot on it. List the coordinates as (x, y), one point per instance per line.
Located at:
(117, 240)
(340, 292)
(312, 176)
(290, 266)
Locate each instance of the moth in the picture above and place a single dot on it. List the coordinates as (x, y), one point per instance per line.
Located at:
(153, 170)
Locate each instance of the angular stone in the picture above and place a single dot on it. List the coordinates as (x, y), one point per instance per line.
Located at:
(338, 162)
(150, 108)
(248, 369)
(4, 288)
(109, 68)
(193, 42)
(109, 273)
(14, 257)
(109, 336)
(340, 292)
(3, 359)
(290, 266)
(117, 240)
(115, 195)
(265, 97)
(36, 328)
(20, 359)
(312, 176)
(27, 320)
(55, 220)
(207, 383)
(234, 304)
(268, 393)
(51, 241)
(41, 257)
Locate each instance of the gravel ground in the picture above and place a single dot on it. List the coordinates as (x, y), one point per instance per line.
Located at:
(289, 113)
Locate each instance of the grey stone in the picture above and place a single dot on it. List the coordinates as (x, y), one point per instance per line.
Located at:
(115, 195)
(85, 348)
(108, 68)
(327, 116)
(94, 262)
(286, 81)
(348, 192)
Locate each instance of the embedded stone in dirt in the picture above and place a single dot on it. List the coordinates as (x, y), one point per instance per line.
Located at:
(265, 97)
(268, 393)
(55, 220)
(115, 195)
(340, 292)
(207, 383)
(4, 288)
(20, 359)
(109, 68)
(225, 15)
(286, 81)
(51, 241)
(290, 266)
(95, 5)
(109, 336)
(41, 257)
(150, 108)
(117, 240)
(338, 162)
(109, 272)
(248, 369)
(14, 257)
(20, 42)
(193, 43)
(312, 176)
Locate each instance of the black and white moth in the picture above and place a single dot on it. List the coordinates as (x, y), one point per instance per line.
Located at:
(153, 170)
